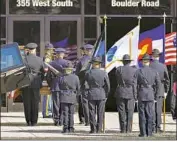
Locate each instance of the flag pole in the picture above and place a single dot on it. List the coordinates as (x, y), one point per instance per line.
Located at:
(164, 103)
(105, 34)
(139, 19)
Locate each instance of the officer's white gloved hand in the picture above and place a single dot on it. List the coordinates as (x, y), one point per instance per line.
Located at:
(155, 101)
(165, 95)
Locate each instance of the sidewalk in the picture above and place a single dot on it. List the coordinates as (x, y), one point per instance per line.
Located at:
(13, 126)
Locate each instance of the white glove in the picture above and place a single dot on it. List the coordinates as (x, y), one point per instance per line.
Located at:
(165, 95)
(155, 101)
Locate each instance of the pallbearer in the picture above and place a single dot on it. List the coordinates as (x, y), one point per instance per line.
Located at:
(58, 64)
(148, 83)
(84, 86)
(69, 88)
(47, 98)
(165, 83)
(99, 87)
(31, 94)
(126, 94)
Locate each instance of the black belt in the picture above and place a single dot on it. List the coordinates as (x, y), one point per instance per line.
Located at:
(145, 86)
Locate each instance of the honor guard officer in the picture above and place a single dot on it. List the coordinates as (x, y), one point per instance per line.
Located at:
(84, 87)
(80, 110)
(126, 94)
(47, 99)
(31, 94)
(99, 87)
(58, 64)
(69, 87)
(162, 70)
(148, 81)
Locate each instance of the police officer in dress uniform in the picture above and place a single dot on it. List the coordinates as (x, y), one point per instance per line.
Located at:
(47, 99)
(58, 64)
(148, 81)
(164, 77)
(84, 86)
(99, 87)
(69, 87)
(126, 94)
(31, 94)
(80, 109)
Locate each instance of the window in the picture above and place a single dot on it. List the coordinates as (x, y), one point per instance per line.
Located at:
(3, 27)
(3, 7)
(63, 7)
(108, 7)
(90, 27)
(90, 7)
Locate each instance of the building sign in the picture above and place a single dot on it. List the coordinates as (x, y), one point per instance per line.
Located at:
(135, 3)
(44, 3)
(130, 7)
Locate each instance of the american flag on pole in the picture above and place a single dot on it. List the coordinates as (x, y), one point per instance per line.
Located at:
(71, 52)
(170, 49)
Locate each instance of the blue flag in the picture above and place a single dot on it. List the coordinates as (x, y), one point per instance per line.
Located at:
(100, 47)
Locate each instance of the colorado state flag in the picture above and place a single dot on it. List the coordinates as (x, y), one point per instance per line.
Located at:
(152, 39)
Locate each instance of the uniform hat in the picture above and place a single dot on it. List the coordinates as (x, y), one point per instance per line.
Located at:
(126, 57)
(49, 46)
(146, 57)
(88, 46)
(155, 52)
(60, 50)
(69, 65)
(31, 46)
(97, 59)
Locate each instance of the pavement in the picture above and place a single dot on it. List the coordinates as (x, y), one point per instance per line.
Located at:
(13, 127)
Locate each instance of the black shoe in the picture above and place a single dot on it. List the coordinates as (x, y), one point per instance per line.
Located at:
(92, 132)
(140, 135)
(33, 124)
(56, 124)
(159, 131)
(87, 124)
(122, 131)
(81, 122)
(71, 130)
(28, 124)
(65, 131)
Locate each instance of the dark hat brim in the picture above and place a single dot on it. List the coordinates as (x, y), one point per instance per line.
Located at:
(95, 61)
(126, 60)
(145, 59)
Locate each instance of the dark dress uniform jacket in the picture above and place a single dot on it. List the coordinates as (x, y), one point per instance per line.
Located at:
(57, 64)
(163, 73)
(36, 68)
(69, 87)
(147, 79)
(99, 85)
(126, 90)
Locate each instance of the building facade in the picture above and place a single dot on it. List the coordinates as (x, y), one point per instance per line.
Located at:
(78, 21)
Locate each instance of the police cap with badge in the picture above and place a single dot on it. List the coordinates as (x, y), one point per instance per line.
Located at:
(88, 47)
(31, 46)
(49, 46)
(126, 57)
(96, 60)
(146, 57)
(59, 50)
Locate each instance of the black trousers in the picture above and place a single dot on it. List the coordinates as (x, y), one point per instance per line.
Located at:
(57, 115)
(80, 110)
(31, 98)
(99, 107)
(125, 108)
(68, 115)
(145, 117)
(157, 119)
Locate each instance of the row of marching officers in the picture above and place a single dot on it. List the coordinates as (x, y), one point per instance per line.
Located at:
(147, 85)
